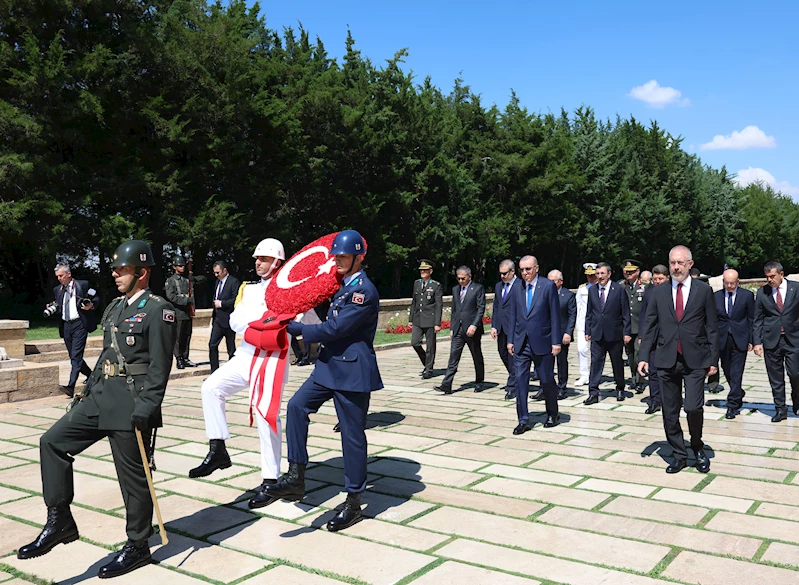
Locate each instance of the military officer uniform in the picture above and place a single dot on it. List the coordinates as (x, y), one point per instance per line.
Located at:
(347, 372)
(425, 315)
(635, 296)
(120, 390)
(177, 292)
(583, 346)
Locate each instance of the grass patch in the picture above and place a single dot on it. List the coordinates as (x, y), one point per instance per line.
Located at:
(46, 330)
(382, 338)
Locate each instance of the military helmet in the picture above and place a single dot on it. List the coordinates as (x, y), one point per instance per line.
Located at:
(270, 247)
(179, 260)
(133, 253)
(348, 242)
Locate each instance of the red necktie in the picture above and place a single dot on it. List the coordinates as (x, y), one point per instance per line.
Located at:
(779, 307)
(679, 309)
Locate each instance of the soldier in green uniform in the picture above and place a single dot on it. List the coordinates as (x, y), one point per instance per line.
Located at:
(425, 316)
(178, 293)
(635, 288)
(125, 390)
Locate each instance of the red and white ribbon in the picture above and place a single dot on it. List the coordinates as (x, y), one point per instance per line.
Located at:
(268, 375)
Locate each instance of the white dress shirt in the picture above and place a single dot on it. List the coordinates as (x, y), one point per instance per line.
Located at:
(686, 290)
(783, 288)
(220, 286)
(69, 306)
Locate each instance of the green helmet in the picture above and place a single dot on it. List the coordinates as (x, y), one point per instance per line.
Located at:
(179, 260)
(133, 253)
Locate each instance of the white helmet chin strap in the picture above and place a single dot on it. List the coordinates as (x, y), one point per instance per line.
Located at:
(271, 268)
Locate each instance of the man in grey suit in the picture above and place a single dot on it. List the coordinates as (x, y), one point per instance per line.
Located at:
(568, 318)
(684, 316)
(466, 328)
(776, 335)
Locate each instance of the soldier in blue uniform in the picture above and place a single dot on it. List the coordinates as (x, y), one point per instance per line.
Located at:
(346, 372)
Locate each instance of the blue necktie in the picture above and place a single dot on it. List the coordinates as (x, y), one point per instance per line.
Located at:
(529, 296)
(729, 305)
(504, 291)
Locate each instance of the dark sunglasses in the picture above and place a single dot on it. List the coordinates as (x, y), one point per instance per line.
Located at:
(463, 278)
(504, 273)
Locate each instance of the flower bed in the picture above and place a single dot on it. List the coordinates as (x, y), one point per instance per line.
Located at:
(399, 327)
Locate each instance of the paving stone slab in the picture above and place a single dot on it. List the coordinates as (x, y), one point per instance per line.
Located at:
(371, 562)
(689, 538)
(705, 500)
(15, 534)
(413, 470)
(581, 546)
(618, 487)
(199, 518)
(488, 454)
(770, 528)
(285, 575)
(557, 448)
(472, 437)
(778, 511)
(452, 573)
(757, 490)
(540, 566)
(427, 459)
(784, 554)
(533, 475)
(201, 489)
(550, 494)
(652, 510)
(691, 567)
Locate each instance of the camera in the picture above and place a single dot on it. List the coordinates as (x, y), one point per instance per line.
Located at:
(85, 303)
(50, 309)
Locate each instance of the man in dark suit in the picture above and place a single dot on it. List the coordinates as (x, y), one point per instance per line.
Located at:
(427, 305)
(534, 312)
(75, 303)
(607, 327)
(225, 291)
(568, 317)
(501, 327)
(660, 274)
(466, 328)
(776, 334)
(634, 288)
(736, 310)
(684, 315)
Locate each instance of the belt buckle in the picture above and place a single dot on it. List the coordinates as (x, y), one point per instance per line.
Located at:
(107, 368)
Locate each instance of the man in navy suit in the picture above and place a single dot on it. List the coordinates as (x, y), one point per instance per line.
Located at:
(534, 312)
(776, 335)
(501, 328)
(225, 291)
(346, 371)
(568, 318)
(736, 310)
(607, 327)
(466, 328)
(75, 303)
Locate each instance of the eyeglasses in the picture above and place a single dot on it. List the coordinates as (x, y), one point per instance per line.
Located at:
(463, 278)
(528, 269)
(217, 273)
(504, 273)
(678, 262)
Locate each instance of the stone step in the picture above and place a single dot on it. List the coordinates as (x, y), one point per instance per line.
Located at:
(57, 356)
(49, 345)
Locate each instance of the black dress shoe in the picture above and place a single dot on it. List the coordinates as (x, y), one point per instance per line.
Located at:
(304, 363)
(443, 389)
(179, 363)
(702, 462)
(261, 498)
(562, 395)
(538, 395)
(631, 386)
(289, 486)
(780, 415)
(521, 428)
(217, 458)
(68, 390)
(189, 364)
(731, 413)
(653, 408)
(134, 555)
(676, 466)
(639, 388)
(510, 395)
(427, 376)
(59, 528)
(795, 409)
(479, 387)
(591, 400)
(296, 361)
(349, 514)
(620, 396)
(337, 428)
(534, 376)
(552, 421)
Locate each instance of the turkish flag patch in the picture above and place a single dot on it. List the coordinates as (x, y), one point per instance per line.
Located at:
(358, 298)
(169, 315)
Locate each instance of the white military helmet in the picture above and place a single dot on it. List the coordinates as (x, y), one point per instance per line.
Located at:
(270, 247)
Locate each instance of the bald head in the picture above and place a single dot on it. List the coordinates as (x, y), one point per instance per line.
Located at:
(646, 277)
(731, 280)
(556, 276)
(680, 263)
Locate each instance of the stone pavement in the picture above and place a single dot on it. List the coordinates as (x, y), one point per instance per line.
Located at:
(453, 497)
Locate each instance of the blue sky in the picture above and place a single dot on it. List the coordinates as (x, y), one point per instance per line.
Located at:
(723, 75)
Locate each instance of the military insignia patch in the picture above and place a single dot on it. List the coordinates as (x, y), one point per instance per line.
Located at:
(358, 298)
(143, 257)
(169, 315)
(130, 340)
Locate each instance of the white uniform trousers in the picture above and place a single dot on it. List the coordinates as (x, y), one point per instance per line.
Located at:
(583, 354)
(230, 378)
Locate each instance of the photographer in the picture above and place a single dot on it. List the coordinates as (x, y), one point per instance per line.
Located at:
(75, 304)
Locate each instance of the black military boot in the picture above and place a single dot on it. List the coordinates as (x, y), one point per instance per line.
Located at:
(135, 554)
(217, 458)
(289, 486)
(349, 514)
(60, 527)
(179, 363)
(261, 498)
(188, 363)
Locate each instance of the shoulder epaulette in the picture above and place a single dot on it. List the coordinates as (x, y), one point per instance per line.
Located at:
(157, 299)
(240, 294)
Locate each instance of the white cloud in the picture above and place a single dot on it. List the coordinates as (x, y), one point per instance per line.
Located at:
(755, 175)
(656, 96)
(749, 137)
